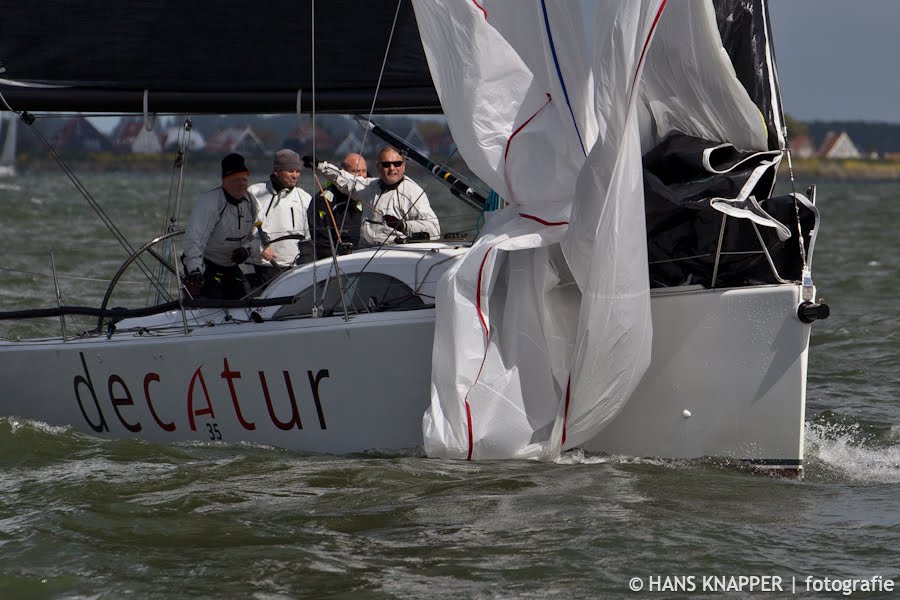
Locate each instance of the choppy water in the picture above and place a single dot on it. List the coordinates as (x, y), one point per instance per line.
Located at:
(86, 518)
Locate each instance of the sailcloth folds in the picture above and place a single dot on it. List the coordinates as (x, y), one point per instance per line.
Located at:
(544, 327)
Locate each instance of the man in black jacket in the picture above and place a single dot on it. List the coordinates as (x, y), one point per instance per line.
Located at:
(344, 212)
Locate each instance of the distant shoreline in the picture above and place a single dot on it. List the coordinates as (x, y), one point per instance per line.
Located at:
(813, 169)
(842, 170)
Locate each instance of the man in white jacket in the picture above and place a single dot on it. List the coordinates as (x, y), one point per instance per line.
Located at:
(219, 235)
(282, 208)
(395, 208)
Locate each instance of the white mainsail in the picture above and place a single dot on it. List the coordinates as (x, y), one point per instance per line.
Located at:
(544, 330)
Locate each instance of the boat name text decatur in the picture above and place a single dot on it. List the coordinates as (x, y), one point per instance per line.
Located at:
(199, 403)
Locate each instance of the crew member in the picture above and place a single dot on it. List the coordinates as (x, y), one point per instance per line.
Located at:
(332, 207)
(283, 227)
(219, 235)
(394, 207)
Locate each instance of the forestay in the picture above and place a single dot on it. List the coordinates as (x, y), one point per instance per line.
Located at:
(545, 330)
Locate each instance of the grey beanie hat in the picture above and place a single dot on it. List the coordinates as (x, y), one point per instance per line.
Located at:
(286, 160)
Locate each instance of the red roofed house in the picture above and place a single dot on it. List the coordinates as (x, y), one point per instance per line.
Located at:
(802, 147)
(236, 139)
(838, 145)
(172, 136)
(77, 134)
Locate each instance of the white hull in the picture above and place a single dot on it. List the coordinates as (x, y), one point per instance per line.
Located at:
(727, 378)
(735, 359)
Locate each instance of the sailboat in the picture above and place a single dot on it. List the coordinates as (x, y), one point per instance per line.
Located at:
(640, 294)
(8, 154)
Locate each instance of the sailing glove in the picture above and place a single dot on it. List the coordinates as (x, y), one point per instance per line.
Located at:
(392, 221)
(309, 164)
(240, 255)
(194, 282)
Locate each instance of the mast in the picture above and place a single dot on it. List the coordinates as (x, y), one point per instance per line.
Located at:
(8, 155)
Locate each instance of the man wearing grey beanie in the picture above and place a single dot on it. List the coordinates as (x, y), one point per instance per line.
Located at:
(283, 227)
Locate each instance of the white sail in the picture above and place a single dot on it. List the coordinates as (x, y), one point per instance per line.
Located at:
(547, 133)
(549, 331)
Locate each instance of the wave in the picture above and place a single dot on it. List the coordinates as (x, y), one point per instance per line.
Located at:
(842, 448)
(838, 448)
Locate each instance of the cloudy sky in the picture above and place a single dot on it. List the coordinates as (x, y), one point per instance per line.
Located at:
(838, 59)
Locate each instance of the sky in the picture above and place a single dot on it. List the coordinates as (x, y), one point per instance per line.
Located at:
(838, 59)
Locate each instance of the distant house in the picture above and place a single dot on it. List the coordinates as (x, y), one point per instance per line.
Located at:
(415, 138)
(76, 134)
(353, 143)
(132, 136)
(431, 137)
(838, 145)
(236, 139)
(170, 139)
(802, 147)
(301, 141)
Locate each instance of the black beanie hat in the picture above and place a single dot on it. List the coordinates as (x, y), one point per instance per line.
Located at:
(233, 163)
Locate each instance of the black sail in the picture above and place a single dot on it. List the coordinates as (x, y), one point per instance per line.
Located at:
(747, 37)
(228, 57)
(213, 56)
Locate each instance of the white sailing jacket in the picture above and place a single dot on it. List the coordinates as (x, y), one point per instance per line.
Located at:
(407, 201)
(216, 228)
(281, 213)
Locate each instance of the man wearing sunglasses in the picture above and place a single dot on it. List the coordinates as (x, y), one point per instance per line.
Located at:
(394, 207)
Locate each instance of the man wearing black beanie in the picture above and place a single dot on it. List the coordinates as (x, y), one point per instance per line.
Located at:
(219, 235)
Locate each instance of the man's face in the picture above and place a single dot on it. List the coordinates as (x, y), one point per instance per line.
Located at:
(356, 167)
(236, 185)
(287, 177)
(391, 167)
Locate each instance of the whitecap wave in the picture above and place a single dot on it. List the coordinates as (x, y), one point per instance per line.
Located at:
(847, 450)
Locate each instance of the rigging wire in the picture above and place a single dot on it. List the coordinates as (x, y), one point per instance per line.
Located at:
(173, 206)
(98, 209)
(365, 136)
(71, 277)
(29, 119)
(312, 59)
(362, 144)
(322, 191)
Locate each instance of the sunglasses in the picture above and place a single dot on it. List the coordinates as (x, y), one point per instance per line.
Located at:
(391, 163)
